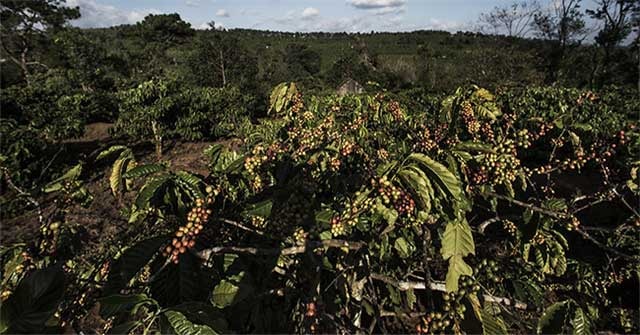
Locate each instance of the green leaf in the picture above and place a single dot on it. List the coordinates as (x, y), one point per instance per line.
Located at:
(117, 303)
(149, 190)
(474, 146)
(553, 318)
(112, 150)
(131, 261)
(56, 184)
(402, 246)
(416, 180)
(492, 324)
(457, 267)
(204, 314)
(262, 208)
(33, 302)
(580, 323)
(182, 326)
(115, 179)
(178, 283)
(144, 170)
(224, 294)
(457, 242)
(442, 176)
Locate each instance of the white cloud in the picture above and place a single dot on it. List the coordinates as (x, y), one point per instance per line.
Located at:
(373, 4)
(192, 3)
(97, 15)
(390, 10)
(222, 13)
(310, 12)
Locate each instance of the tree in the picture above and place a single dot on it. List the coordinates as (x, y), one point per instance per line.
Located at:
(160, 39)
(565, 27)
(301, 60)
(617, 21)
(25, 25)
(515, 20)
(164, 28)
(218, 59)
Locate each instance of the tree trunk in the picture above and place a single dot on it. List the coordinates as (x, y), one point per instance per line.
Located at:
(24, 67)
(224, 77)
(157, 139)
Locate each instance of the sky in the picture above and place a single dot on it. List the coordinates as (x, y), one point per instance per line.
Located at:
(295, 15)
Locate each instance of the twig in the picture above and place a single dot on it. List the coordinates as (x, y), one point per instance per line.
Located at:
(440, 286)
(530, 206)
(602, 246)
(28, 196)
(351, 245)
(243, 227)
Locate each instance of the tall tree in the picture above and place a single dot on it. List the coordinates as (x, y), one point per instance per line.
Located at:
(161, 37)
(564, 25)
(514, 20)
(25, 25)
(617, 21)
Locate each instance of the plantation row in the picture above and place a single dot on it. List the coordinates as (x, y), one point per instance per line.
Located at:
(513, 212)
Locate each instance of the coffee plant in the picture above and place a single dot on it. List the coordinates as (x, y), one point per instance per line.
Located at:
(478, 213)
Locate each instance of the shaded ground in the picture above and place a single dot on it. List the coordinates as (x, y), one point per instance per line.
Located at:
(103, 217)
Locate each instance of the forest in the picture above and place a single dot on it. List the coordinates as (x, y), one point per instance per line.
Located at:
(161, 179)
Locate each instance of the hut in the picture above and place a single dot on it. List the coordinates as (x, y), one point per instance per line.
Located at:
(350, 86)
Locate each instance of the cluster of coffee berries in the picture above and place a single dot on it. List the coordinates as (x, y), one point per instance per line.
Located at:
(300, 236)
(503, 166)
(394, 195)
(543, 129)
(357, 122)
(312, 322)
(590, 96)
(425, 141)
(307, 116)
(573, 224)
(396, 111)
(472, 124)
(275, 149)
(487, 131)
(538, 238)
(185, 235)
(335, 163)
(434, 322)
(352, 210)
(479, 176)
(453, 308)
(383, 154)
(488, 268)
(297, 104)
(404, 204)
(510, 227)
(50, 235)
(252, 164)
(258, 221)
(347, 148)
(523, 138)
(337, 226)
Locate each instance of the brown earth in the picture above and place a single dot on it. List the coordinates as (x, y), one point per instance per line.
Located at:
(104, 216)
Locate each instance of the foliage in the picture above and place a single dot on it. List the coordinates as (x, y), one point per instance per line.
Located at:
(353, 206)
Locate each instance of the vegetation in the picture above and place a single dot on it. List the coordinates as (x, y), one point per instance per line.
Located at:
(236, 191)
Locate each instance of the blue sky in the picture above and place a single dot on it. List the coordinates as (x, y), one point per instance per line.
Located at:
(295, 15)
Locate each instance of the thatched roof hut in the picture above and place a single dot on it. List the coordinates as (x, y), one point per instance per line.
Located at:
(350, 86)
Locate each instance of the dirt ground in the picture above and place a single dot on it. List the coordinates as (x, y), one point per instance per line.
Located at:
(103, 217)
